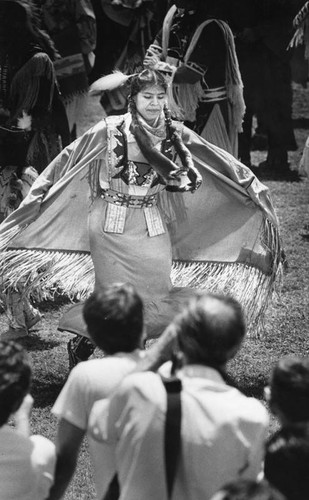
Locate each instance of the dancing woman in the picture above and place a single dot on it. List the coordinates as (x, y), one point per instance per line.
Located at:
(117, 205)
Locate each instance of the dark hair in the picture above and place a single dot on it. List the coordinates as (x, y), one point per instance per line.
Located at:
(247, 489)
(15, 378)
(114, 318)
(146, 78)
(289, 384)
(210, 329)
(287, 462)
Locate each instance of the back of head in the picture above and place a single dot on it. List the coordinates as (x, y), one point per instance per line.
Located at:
(211, 329)
(290, 388)
(114, 318)
(15, 378)
(287, 463)
(246, 489)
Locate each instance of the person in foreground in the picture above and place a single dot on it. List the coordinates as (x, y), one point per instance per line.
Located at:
(114, 318)
(142, 199)
(26, 462)
(287, 462)
(287, 451)
(288, 391)
(222, 431)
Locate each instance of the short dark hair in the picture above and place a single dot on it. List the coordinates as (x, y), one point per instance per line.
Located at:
(287, 462)
(289, 383)
(247, 489)
(210, 329)
(114, 318)
(15, 378)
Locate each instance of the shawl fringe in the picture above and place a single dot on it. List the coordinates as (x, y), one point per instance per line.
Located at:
(42, 274)
(185, 99)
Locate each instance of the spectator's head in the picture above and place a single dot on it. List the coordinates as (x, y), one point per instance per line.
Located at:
(246, 489)
(287, 463)
(210, 330)
(15, 378)
(289, 390)
(114, 318)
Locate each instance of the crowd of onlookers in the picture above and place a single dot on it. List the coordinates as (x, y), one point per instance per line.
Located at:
(165, 422)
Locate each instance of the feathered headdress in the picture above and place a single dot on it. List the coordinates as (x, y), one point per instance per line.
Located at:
(109, 82)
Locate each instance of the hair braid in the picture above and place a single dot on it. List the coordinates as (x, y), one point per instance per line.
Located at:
(174, 136)
(163, 165)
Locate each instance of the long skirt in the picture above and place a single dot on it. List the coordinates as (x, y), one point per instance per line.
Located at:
(136, 258)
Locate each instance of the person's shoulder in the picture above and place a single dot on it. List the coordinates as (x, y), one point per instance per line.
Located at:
(114, 121)
(41, 61)
(249, 408)
(10, 439)
(106, 368)
(143, 382)
(96, 133)
(99, 364)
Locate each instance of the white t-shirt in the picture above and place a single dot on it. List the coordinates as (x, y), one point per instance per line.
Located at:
(222, 437)
(26, 466)
(88, 382)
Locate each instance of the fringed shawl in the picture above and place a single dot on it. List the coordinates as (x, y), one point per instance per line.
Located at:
(225, 236)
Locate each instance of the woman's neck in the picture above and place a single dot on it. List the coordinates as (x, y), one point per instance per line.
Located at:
(151, 123)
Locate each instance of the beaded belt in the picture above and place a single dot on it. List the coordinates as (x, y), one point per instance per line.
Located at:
(127, 200)
(215, 94)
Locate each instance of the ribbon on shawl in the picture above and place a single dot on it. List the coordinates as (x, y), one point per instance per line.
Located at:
(224, 238)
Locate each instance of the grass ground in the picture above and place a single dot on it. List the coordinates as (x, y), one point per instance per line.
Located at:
(287, 321)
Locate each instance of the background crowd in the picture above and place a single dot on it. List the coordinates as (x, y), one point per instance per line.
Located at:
(223, 449)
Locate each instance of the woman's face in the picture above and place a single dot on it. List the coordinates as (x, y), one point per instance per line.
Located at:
(150, 102)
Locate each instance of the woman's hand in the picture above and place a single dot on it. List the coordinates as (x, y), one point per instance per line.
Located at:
(152, 57)
(192, 174)
(195, 179)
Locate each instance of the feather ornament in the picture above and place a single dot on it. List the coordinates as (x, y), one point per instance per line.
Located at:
(109, 82)
(24, 122)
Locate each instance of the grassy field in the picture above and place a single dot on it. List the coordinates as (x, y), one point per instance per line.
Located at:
(287, 321)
